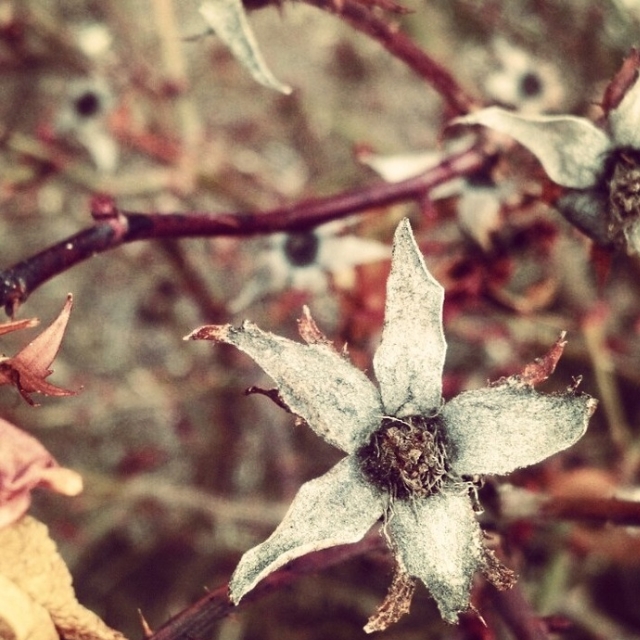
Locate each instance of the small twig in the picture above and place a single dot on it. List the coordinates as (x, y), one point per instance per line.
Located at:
(199, 620)
(402, 47)
(518, 614)
(114, 227)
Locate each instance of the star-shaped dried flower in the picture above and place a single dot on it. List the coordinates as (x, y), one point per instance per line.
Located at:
(600, 167)
(304, 260)
(29, 369)
(411, 457)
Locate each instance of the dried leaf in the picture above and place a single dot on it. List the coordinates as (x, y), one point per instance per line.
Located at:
(309, 331)
(28, 369)
(395, 605)
(541, 368)
(29, 559)
(229, 21)
(24, 465)
(21, 617)
(16, 325)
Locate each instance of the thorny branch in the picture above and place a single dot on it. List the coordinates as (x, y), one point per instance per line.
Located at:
(402, 47)
(114, 227)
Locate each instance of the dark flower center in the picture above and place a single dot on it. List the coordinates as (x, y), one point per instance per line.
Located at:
(406, 457)
(87, 104)
(624, 184)
(301, 249)
(530, 85)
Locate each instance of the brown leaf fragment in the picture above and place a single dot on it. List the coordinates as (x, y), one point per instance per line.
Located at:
(30, 560)
(28, 369)
(16, 325)
(215, 332)
(272, 394)
(500, 576)
(541, 368)
(397, 603)
(309, 331)
(24, 465)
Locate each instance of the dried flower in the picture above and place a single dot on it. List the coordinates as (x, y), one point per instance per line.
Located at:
(302, 261)
(29, 369)
(411, 457)
(600, 167)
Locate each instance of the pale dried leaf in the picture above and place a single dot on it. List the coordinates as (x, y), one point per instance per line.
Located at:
(510, 425)
(335, 399)
(229, 21)
(336, 508)
(21, 617)
(409, 361)
(571, 150)
(30, 560)
(439, 541)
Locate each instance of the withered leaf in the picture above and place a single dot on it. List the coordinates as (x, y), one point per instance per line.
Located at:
(29, 559)
(24, 465)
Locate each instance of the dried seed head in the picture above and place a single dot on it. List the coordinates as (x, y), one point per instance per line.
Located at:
(407, 458)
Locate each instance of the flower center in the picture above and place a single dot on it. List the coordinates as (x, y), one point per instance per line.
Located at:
(301, 249)
(624, 185)
(406, 457)
(530, 85)
(87, 104)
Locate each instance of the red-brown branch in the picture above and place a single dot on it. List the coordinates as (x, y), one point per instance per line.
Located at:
(114, 227)
(398, 44)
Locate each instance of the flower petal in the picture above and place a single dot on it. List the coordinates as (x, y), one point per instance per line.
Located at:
(625, 119)
(409, 361)
(571, 150)
(502, 428)
(317, 383)
(439, 541)
(336, 508)
(229, 21)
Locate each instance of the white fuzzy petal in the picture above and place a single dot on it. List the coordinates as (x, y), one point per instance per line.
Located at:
(439, 541)
(337, 508)
(343, 252)
(502, 428)
(229, 21)
(409, 361)
(571, 150)
(316, 382)
(625, 119)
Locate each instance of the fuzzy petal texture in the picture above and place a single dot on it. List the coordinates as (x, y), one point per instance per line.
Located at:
(318, 384)
(408, 364)
(504, 427)
(229, 21)
(439, 541)
(336, 508)
(625, 119)
(571, 150)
